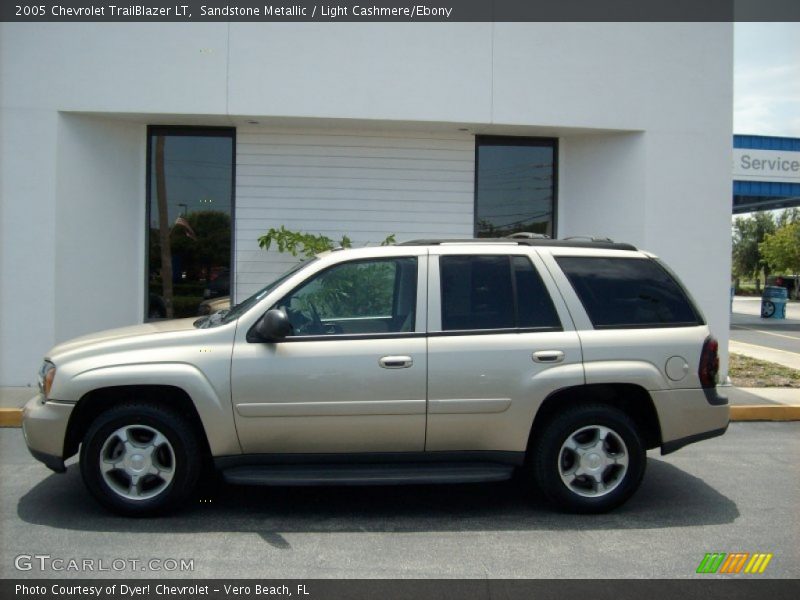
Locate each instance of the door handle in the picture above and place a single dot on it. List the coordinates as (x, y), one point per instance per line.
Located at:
(396, 362)
(548, 356)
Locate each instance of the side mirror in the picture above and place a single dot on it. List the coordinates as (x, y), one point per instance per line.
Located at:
(274, 326)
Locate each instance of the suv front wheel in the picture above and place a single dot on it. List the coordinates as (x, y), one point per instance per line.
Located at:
(588, 459)
(140, 459)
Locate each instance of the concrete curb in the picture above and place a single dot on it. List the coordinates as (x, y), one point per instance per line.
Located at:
(12, 417)
(765, 412)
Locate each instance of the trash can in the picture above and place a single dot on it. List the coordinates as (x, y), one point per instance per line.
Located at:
(773, 302)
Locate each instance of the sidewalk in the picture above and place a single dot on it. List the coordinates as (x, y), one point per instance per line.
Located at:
(763, 396)
(773, 355)
(765, 332)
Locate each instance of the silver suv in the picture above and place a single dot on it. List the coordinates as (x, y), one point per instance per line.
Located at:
(432, 361)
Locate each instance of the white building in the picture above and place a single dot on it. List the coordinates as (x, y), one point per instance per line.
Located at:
(343, 128)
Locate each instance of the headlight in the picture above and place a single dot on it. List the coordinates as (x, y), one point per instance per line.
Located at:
(46, 375)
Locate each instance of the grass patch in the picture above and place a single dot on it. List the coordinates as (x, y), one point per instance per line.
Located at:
(750, 372)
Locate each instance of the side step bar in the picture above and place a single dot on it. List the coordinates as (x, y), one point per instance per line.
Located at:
(367, 474)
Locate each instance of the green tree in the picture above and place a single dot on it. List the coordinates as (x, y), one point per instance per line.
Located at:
(307, 244)
(211, 245)
(790, 215)
(353, 290)
(360, 286)
(782, 249)
(748, 234)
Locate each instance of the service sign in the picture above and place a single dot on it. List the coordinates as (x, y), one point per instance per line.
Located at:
(766, 165)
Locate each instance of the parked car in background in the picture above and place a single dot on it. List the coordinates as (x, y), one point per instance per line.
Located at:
(219, 284)
(787, 281)
(208, 307)
(156, 308)
(431, 361)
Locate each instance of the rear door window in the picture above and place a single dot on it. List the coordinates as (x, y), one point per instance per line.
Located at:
(534, 306)
(628, 292)
(488, 292)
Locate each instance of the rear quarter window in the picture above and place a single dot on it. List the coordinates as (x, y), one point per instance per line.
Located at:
(628, 292)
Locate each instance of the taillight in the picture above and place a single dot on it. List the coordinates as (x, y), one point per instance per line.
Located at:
(709, 363)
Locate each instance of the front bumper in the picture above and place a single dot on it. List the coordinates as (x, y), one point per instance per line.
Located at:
(44, 425)
(688, 416)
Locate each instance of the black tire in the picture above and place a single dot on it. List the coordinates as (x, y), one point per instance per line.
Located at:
(546, 459)
(183, 462)
(767, 309)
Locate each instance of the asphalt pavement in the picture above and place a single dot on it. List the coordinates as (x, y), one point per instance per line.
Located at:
(780, 335)
(740, 492)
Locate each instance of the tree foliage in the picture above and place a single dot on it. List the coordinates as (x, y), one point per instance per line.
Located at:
(307, 244)
(748, 234)
(782, 248)
(211, 246)
(788, 216)
(348, 291)
(352, 290)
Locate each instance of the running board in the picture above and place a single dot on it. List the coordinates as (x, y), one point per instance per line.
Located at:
(367, 474)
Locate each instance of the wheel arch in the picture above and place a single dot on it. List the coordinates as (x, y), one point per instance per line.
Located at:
(97, 401)
(632, 399)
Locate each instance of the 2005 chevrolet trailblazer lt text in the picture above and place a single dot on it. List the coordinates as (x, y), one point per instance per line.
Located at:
(432, 361)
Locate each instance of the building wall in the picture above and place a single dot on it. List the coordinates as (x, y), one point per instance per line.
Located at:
(643, 112)
(99, 232)
(366, 185)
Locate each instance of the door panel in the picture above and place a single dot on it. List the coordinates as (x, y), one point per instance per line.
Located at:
(353, 377)
(484, 390)
(329, 396)
(500, 341)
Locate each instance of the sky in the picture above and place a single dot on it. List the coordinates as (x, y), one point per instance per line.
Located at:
(766, 88)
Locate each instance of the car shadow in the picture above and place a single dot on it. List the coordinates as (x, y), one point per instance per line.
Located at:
(668, 497)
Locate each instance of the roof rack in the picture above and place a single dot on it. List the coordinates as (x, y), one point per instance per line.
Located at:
(527, 235)
(598, 243)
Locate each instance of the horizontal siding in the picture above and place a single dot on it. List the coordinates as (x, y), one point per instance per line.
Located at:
(364, 185)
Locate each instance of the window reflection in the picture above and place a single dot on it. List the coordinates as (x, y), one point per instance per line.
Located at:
(189, 236)
(515, 187)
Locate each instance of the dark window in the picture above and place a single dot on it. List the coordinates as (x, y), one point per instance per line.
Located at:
(189, 211)
(478, 292)
(515, 186)
(368, 296)
(628, 292)
(535, 306)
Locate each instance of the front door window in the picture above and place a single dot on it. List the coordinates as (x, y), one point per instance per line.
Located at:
(360, 297)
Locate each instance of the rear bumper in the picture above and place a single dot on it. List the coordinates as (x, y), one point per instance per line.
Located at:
(669, 447)
(688, 416)
(44, 425)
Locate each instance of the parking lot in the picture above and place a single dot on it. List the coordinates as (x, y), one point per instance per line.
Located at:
(782, 335)
(736, 493)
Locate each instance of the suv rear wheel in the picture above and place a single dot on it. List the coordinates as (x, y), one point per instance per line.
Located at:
(588, 459)
(140, 459)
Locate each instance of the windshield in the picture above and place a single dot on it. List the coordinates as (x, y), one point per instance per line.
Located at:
(226, 316)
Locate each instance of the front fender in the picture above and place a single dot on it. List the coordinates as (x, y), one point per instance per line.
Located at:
(213, 405)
